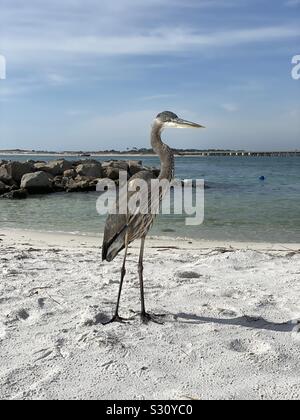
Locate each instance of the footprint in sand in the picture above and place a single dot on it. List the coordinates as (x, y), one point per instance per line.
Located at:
(188, 274)
(296, 329)
(266, 301)
(28, 382)
(227, 312)
(93, 316)
(230, 293)
(41, 303)
(117, 370)
(249, 346)
(10, 272)
(18, 315)
(2, 331)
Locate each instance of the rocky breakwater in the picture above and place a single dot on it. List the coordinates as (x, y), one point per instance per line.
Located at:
(20, 179)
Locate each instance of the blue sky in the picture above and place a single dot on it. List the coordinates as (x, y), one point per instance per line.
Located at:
(93, 74)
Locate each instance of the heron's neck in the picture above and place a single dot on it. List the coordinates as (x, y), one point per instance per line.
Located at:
(164, 152)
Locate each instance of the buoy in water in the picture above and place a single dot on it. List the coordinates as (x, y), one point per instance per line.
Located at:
(262, 178)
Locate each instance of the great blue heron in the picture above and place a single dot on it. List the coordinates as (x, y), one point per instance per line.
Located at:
(121, 230)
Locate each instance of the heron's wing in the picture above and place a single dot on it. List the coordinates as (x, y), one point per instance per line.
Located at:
(118, 226)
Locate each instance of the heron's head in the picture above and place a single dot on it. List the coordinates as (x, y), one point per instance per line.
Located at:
(168, 119)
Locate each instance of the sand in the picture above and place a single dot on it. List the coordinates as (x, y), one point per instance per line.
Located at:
(230, 330)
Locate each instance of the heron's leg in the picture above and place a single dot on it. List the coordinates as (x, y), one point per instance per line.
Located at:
(141, 276)
(116, 317)
(145, 317)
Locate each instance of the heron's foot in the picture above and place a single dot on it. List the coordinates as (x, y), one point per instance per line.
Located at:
(146, 318)
(117, 318)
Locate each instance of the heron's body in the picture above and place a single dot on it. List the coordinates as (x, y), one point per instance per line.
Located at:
(122, 229)
(120, 226)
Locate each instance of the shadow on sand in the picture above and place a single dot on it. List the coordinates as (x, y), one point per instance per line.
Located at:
(257, 323)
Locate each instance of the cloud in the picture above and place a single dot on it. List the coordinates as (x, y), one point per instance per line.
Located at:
(249, 86)
(14, 87)
(295, 113)
(36, 19)
(57, 79)
(159, 41)
(76, 112)
(158, 97)
(230, 107)
(292, 3)
(105, 56)
(10, 89)
(81, 38)
(132, 129)
(33, 32)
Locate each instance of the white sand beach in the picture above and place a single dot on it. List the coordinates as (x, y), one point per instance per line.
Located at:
(230, 332)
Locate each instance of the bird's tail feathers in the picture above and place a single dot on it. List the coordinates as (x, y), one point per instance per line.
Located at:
(112, 248)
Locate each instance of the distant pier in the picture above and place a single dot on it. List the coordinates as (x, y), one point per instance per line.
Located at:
(242, 153)
(149, 152)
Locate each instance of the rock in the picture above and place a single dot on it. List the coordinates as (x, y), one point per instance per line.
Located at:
(81, 186)
(70, 173)
(38, 162)
(111, 173)
(16, 194)
(55, 167)
(3, 188)
(79, 178)
(4, 175)
(60, 183)
(41, 166)
(37, 183)
(33, 162)
(119, 164)
(15, 171)
(155, 171)
(96, 162)
(77, 163)
(135, 167)
(93, 170)
(61, 175)
(112, 169)
(94, 183)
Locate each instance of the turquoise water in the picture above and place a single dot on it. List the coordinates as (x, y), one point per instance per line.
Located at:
(238, 206)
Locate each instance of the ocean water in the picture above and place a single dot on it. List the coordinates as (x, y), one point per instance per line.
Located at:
(238, 205)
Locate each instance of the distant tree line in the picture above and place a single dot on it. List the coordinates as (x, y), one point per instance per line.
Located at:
(143, 151)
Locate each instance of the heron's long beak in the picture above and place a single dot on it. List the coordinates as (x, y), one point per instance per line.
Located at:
(179, 123)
